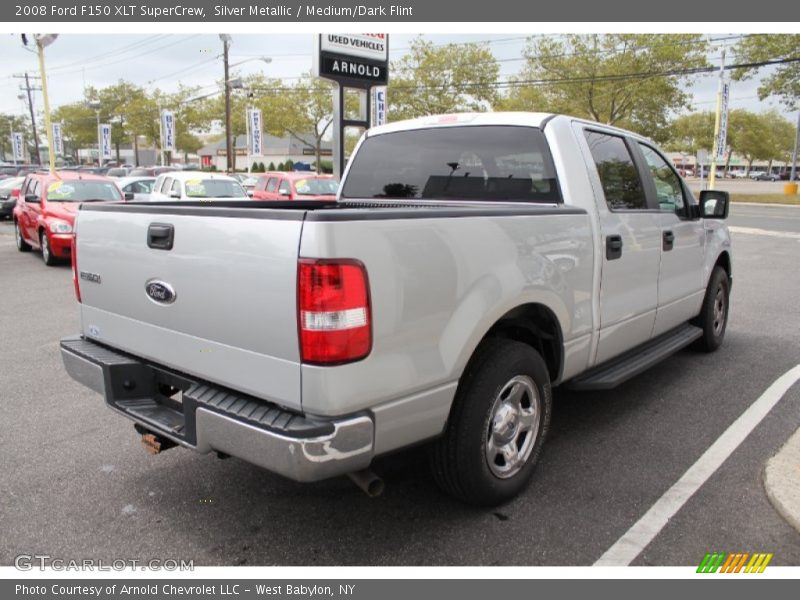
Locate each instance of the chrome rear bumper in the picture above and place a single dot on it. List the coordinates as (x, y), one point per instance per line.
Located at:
(207, 418)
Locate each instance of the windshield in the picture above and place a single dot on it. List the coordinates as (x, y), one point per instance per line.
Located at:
(316, 186)
(83, 191)
(214, 188)
(455, 163)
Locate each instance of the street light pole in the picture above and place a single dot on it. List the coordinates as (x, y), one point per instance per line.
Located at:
(226, 42)
(42, 41)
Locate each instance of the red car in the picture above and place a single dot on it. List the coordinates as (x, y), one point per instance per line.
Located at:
(45, 214)
(295, 185)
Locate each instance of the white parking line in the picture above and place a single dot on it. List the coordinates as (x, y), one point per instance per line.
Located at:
(636, 539)
(756, 231)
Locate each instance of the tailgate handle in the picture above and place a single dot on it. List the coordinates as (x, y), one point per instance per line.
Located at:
(160, 236)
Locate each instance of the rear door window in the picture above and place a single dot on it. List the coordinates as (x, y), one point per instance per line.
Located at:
(272, 185)
(488, 163)
(619, 176)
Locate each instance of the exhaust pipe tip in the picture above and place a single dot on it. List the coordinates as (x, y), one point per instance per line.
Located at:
(369, 482)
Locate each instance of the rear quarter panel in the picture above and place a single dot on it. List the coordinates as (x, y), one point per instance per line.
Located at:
(437, 286)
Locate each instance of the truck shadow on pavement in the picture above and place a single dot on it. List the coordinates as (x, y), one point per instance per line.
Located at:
(609, 454)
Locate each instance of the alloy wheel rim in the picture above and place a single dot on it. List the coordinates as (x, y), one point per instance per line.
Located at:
(45, 248)
(513, 427)
(18, 234)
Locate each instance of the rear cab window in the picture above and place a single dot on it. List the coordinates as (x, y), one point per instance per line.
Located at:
(478, 162)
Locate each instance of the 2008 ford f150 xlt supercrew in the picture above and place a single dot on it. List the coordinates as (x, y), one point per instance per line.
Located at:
(469, 264)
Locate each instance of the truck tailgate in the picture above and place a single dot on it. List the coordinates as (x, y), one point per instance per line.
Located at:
(233, 275)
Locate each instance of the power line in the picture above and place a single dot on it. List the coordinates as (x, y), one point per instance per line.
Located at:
(113, 53)
(127, 59)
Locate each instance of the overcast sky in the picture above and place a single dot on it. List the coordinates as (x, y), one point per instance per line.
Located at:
(164, 60)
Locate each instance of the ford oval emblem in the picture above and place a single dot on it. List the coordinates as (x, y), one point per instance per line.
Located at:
(160, 291)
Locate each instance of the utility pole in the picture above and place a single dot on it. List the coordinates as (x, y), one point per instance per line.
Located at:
(226, 42)
(29, 90)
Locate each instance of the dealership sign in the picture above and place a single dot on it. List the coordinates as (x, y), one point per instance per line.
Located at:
(18, 145)
(168, 130)
(104, 141)
(255, 128)
(379, 105)
(58, 140)
(723, 122)
(353, 59)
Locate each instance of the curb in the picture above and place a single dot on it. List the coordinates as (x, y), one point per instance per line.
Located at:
(782, 480)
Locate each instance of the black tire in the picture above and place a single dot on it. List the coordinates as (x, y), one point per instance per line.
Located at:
(713, 317)
(47, 252)
(22, 245)
(460, 459)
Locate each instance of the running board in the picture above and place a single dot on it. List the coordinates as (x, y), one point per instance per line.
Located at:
(618, 370)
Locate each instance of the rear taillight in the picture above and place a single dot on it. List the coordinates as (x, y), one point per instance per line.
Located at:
(73, 252)
(333, 311)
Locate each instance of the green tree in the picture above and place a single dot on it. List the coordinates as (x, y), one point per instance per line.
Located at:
(431, 80)
(618, 79)
(691, 133)
(79, 124)
(271, 166)
(782, 81)
(304, 111)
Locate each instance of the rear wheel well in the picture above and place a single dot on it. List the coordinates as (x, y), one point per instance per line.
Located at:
(536, 326)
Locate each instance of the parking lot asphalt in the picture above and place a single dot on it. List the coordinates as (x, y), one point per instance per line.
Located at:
(739, 186)
(78, 484)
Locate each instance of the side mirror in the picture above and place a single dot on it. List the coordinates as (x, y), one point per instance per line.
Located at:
(129, 196)
(714, 204)
(249, 193)
(285, 193)
(33, 199)
(174, 194)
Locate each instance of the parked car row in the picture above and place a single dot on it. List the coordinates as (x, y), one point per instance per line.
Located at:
(43, 205)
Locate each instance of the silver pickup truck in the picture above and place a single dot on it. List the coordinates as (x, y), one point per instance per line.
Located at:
(469, 264)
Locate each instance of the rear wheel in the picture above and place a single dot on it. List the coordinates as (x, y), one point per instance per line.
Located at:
(713, 317)
(47, 252)
(22, 245)
(497, 425)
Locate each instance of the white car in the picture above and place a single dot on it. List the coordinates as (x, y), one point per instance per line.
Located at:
(196, 185)
(140, 187)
